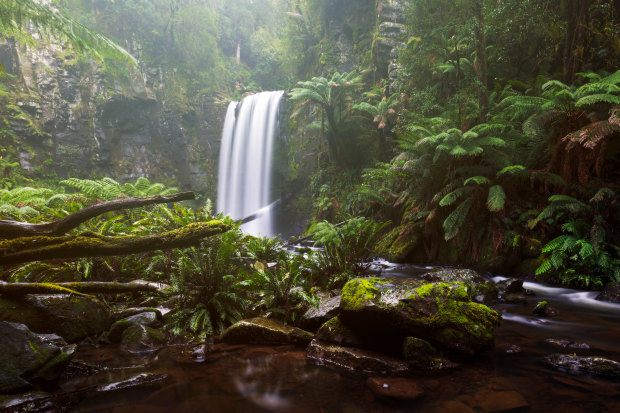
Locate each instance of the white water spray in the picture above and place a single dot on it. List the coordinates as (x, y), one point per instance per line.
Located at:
(244, 182)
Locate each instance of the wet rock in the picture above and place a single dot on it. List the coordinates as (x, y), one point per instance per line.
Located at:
(482, 291)
(396, 388)
(315, 317)
(71, 317)
(441, 313)
(512, 349)
(511, 285)
(128, 312)
(544, 309)
(500, 401)
(348, 358)
(143, 380)
(336, 332)
(27, 402)
(25, 357)
(455, 275)
(568, 344)
(140, 339)
(54, 339)
(514, 299)
(148, 319)
(424, 359)
(610, 293)
(265, 331)
(572, 364)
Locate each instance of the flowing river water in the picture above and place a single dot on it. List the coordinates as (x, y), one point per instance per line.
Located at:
(281, 379)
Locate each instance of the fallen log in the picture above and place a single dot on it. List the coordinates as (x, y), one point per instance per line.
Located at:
(26, 249)
(14, 229)
(93, 287)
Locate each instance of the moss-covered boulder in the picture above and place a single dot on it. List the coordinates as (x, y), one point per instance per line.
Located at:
(357, 360)
(26, 358)
(336, 332)
(71, 317)
(399, 243)
(140, 339)
(265, 331)
(148, 319)
(441, 313)
(481, 290)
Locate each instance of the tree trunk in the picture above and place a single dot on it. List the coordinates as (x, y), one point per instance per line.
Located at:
(38, 248)
(481, 57)
(13, 229)
(19, 289)
(577, 18)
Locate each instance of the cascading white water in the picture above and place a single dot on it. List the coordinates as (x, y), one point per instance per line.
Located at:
(244, 176)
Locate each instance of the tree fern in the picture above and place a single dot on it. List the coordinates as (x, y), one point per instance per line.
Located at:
(454, 222)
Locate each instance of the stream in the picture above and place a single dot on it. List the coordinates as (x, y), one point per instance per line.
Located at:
(280, 379)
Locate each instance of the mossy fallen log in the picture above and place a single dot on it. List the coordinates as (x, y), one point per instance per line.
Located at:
(14, 229)
(79, 288)
(37, 248)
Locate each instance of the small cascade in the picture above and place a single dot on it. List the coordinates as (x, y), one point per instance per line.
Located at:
(244, 176)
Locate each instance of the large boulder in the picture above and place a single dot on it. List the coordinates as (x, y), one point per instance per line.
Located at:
(25, 357)
(482, 291)
(357, 360)
(71, 317)
(336, 332)
(148, 319)
(265, 331)
(315, 316)
(140, 339)
(441, 313)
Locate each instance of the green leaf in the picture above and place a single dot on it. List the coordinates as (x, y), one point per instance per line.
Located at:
(480, 180)
(496, 199)
(454, 222)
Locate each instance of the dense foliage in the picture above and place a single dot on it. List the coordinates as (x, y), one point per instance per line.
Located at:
(495, 129)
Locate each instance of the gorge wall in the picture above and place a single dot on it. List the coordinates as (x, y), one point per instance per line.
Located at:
(71, 117)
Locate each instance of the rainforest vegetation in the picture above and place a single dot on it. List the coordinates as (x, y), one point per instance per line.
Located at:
(477, 133)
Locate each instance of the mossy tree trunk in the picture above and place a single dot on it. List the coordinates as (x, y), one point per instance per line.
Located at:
(38, 248)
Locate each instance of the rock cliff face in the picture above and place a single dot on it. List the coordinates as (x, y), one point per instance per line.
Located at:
(352, 28)
(73, 118)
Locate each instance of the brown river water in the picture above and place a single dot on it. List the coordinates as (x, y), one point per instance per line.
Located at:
(281, 379)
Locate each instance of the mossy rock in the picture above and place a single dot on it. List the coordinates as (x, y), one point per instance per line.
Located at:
(441, 313)
(336, 332)
(71, 317)
(140, 339)
(25, 358)
(148, 319)
(265, 331)
(399, 243)
(482, 291)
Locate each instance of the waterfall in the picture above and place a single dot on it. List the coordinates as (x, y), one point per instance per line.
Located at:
(244, 175)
